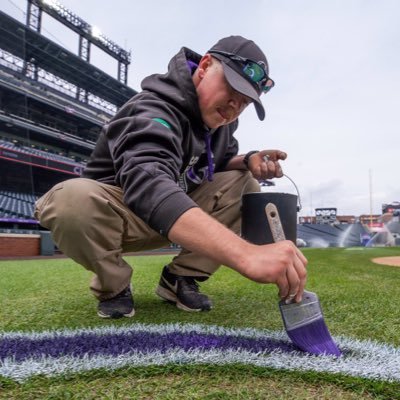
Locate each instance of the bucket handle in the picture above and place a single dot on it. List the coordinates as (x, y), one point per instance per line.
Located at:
(269, 183)
(299, 206)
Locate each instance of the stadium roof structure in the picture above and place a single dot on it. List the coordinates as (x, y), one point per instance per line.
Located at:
(77, 24)
(29, 45)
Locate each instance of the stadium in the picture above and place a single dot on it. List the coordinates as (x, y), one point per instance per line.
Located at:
(53, 104)
(52, 107)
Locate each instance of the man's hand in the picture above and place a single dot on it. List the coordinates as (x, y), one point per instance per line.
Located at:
(280, 263)
(265, 164)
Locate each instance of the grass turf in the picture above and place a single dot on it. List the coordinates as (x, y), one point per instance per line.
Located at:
(360, 299)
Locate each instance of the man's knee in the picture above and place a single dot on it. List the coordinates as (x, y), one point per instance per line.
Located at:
(239, 182)
(69, 202)
(250, 183)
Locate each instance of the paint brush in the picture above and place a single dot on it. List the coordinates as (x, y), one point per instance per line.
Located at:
(304, 322)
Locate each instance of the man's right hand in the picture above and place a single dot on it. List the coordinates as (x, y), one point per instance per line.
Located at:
(280, 263)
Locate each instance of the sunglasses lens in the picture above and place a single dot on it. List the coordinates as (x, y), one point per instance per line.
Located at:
(268, 85)
(254, 71)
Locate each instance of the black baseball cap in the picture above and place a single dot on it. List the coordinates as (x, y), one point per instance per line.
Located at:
(245, 67)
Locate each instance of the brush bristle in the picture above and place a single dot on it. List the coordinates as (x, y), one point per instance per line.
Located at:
(314, 338)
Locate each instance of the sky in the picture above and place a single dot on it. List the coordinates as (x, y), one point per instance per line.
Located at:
(335, 107)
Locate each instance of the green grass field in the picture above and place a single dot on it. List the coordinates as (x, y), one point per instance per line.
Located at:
(360, 300)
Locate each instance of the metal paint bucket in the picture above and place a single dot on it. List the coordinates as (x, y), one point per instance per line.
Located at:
(255, 227)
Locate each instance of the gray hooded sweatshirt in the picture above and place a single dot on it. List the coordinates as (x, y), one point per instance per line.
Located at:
(157, 148)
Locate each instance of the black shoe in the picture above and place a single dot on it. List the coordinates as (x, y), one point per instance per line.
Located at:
(183, 291)
(117, 307)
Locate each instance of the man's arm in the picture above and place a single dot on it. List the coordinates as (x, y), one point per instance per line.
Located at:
(280, 263)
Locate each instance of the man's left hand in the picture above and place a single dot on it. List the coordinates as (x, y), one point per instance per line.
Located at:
(265, 164)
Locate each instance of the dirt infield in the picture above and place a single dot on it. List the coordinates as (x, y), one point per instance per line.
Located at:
(393, 261)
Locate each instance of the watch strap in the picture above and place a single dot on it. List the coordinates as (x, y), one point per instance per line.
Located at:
(247, 157)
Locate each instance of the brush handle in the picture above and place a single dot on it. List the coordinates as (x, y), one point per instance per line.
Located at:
(274, 222)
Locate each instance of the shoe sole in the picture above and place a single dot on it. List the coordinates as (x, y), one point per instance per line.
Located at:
(171, 296)
(116, 315)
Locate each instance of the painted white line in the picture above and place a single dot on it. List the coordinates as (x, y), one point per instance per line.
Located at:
(365, 359)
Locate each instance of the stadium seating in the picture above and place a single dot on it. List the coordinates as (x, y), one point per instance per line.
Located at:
(16, 205)
(41, 153)
(324, 235)
(19, 206)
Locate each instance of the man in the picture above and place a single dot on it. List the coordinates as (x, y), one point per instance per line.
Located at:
(165, 169)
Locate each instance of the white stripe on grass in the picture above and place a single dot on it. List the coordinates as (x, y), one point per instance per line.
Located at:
(151, 328)
(365, 359)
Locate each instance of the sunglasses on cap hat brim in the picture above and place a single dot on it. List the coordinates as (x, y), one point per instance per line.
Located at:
(254, 71)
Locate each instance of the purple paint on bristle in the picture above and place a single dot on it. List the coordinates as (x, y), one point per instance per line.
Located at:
(314, 338)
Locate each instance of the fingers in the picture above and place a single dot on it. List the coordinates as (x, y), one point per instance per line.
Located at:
(280, 155)
(281, 263)
(301, 271)
(269, 169)
(283, 286)
(291, 286)
(301, 256)
(273, 169)
(266, 165)
(274, 155)
(288, 286)
(294, 284)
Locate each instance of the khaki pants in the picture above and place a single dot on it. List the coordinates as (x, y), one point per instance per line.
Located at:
(91, 224)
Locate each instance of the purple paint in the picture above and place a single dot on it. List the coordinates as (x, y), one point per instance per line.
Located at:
(20, 349)
(305, 325)
(314, 338)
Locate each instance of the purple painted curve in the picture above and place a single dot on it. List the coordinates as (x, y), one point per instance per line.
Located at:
(87, 344)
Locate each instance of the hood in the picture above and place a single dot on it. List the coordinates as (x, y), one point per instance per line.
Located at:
(176, 86)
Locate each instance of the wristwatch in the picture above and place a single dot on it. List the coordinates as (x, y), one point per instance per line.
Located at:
(247, 156)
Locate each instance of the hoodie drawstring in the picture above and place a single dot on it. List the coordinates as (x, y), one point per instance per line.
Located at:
(209, 157)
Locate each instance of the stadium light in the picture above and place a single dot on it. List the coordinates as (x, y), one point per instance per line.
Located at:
(50, 3)
(95, 31)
